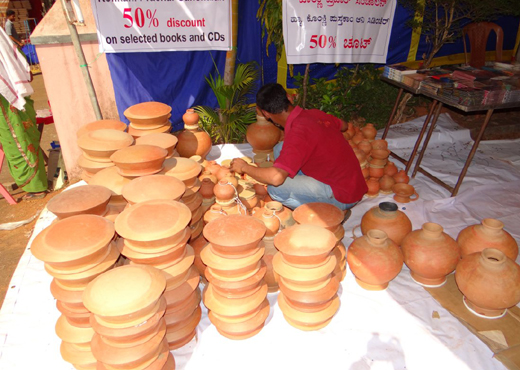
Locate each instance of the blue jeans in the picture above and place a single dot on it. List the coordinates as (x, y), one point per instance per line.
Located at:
(303, 189)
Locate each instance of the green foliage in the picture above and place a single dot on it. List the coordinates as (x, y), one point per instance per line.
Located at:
(270, 16)
(228, 123)
(353, 94)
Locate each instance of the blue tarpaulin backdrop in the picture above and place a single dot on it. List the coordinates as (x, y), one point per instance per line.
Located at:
(178, 78)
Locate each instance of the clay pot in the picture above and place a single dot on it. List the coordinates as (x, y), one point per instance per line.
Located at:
(365, 146)
(283, 213)
(360, 155)
(324, 215)
(404, 192)
(111, 179)
(365, 170)
(378, 162)
(373, 187)
(92, 167)
(401, 177)
(489, 234)
(390, 169)
(489, 281)
(271, 222)
(308, 321)
(139, 160)
(213, 213)
(193, 141)
(153, 187)
(380, 153)
(385, 184)
(77, 357)
(231, 267)
(379, 144)
(233, 306)
(87, 199)
(350, 130)
(99, 145)
(184, 169)
(369, 131)
(313, 276)
(357, 138)
(430, 254)
(374, 259)
(148, 115)
(137, 133)
(224, 191)
(190, 118)
(262, 135)
(206, 188)
(103, 124)
(375, 171)
(162, 140)
(388, 218)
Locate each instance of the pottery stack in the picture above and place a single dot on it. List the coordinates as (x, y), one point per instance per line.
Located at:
(163, 140)
(236, 295)
(87, 199)
(111, 124)
(193, 141)
(153, 187)
(305, 264)
(262, 135)
(187, 170)
(98, 146)
(329, 217)
(273, 227)
(76, 250)
(112, 180)
(155, 233)
(127, 306)
(148, 118)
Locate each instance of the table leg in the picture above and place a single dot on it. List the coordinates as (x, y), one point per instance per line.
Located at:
(393, 113)
(427, 140)
(421, 134)
(472, 152)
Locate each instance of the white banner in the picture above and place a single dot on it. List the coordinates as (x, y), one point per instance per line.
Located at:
(337, 31)
(162, 25)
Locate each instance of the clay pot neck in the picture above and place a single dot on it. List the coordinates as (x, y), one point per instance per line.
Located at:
(492, 259)
(191, 127)
(274, 206)
(261, 120)
(432, 230)
(491, 226)
(377, 238)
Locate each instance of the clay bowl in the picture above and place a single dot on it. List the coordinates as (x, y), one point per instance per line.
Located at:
(179, 338)
(308, 320)
(309, 308)
(324, 215)
(73, 241)
(174, 320)
(153, 220)
(195, 316)
(77, 357)
(189, 304)
(226, 286)
(163, 140)
(184, 169)
(164, 361)
(91, 167)
(148, 114)
(99, 145)
(231, 267)
(242, 293)
(87, 199)
(153, 187)
(145, 126)
(103, 124)
(139, 160)
(159, 330)
(379, 144)
(111, 179)
(233, 306)
(175, 274)
(160, 245)
(72, 334)
(380, 153)
(172, 255)
(183, 291)
(137, 133)
(303, 245)
(404, 192)
(235, 235)
(314, 297)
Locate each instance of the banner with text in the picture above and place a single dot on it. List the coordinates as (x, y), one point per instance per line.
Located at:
(167, 25)
(337, 31)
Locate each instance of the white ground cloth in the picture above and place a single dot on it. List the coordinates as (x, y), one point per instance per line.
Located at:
(392, 329)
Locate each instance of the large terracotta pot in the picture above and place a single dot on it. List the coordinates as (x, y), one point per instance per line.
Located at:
(262, 135)
(430, 254)
(489, 234)
(388, 218)
(490, 282)
(193, 141)
(374, 259)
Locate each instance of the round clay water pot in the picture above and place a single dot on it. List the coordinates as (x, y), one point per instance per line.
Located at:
(305, 245)
(71, 354)
(307, 320)
(153, 187)
(385, 184)
(404, 193)
(139, 160)
(357, 138)
(111, 179)
(87, 199)
(310, 274)
(369, 131)
(319, 214)
(92, 167)
(375, 171)
(390, 169)
(374, 260)
(72, 334)
(373, 187)
(190, 118)
(224, 191)
(489, 233)
(103, 124)
(162, 140)
(148, 114)
(365, 146)
(184, 169)
(233, 306)
(234, 235)
(206, 188)
(271, 222)
(283, 213)
(74, 241)
(379, 144)
(430, 254)
(388, 218)
(401, 177)
(262, 135)
(193, 140)
(139, 132)
(153, 220)
(99, 145)
(489, 281)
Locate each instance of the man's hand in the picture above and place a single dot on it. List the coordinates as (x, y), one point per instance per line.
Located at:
(238, 165)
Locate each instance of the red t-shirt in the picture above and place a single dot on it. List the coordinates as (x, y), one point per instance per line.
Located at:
(315, 145)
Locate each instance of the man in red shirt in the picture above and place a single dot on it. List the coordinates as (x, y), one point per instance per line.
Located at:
(314, 163)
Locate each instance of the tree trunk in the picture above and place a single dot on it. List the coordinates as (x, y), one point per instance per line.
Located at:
(305, 84)
(231, 56)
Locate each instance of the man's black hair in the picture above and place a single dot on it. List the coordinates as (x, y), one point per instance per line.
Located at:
(272, 98)
(9, 12)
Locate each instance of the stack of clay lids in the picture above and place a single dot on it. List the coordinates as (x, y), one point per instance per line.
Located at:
(153, 187)
(87, 199)
(308, 287)
(164, 140)
(198, 244)
(272, 224)
(112, 180)
(98, 146)
(236, 293)
(111, 124)
(139, 160)
(329, 217)
(75, 251)
(156, 233)
(127, 306)
(148, 118)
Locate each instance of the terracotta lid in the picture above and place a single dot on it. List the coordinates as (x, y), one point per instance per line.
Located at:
(163, 140)
(87, 199)
(139, 160)
(124, 290)
(216, 262)
(91, 166)
(181, 168)
(153, 187)
(139, 132)
(72, 239)
(153, 220)
(233, 306)
(305, 242)
(308, 274)
(100, 144)
(319, 214)
(72, 334)
(111, 124)
(146, 110)
(75, 356)
(111, 179)
(234, 230)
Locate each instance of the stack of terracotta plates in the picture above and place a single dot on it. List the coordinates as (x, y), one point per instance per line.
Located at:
(198, 244)
(155, 233)
(97, 147)
(148, 118)
(139, 160)
(187, 170)
(127, 306)
(329, 217)
(112, 180)
(88, 199)
(153, 187)
(308, 287)
(164, 140)
(76, 250)
(272, 224)
(236, 293)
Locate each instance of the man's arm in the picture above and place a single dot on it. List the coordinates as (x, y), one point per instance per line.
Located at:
(270, 175)
(15, 41)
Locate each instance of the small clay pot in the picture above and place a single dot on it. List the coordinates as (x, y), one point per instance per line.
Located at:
(369, 131)
(379, 144)
(386, 183)
(376, 171)
(365, 146)
(390, 169)
(404, 193)
(401, 177)
(373, 187)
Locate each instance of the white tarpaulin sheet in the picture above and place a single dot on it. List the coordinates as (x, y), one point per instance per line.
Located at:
(392, 329)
